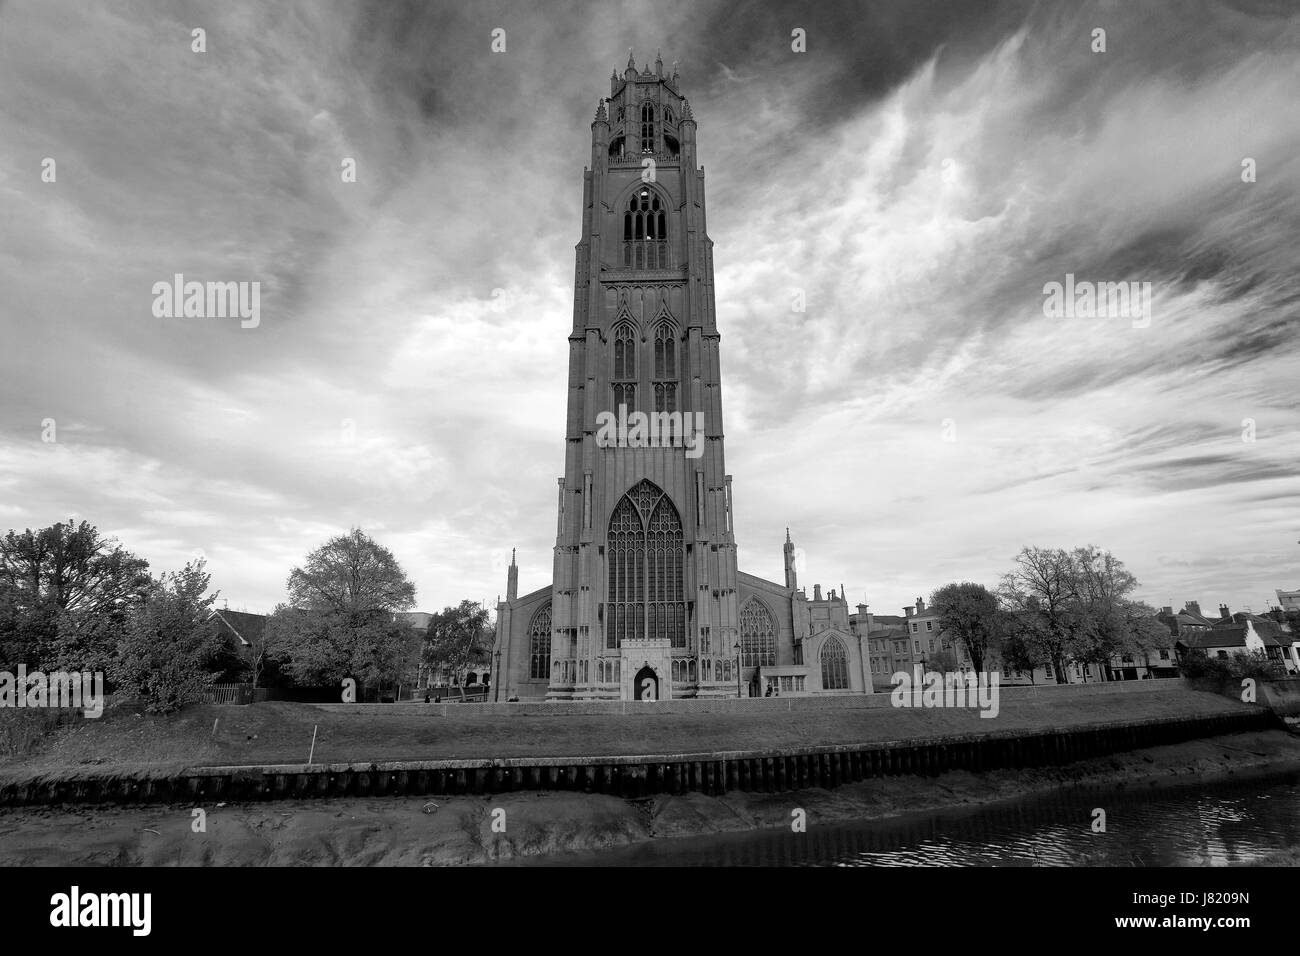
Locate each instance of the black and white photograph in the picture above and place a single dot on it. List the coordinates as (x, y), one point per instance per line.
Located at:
(647, 434)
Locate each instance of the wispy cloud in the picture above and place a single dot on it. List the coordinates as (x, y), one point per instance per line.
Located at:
(918, 175)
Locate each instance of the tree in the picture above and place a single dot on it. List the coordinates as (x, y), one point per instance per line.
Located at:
(1041, 594)
(342, 617)
(263, 649)
(1018, 651)
(171, 650)
(969, 613)
(456, 638)
(942, 662)
(65, 592)
(72, 568)
(351, 575)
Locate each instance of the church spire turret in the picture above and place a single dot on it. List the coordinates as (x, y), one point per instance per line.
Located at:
(791, 571)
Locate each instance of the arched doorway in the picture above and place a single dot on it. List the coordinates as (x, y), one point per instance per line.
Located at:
(646, 684)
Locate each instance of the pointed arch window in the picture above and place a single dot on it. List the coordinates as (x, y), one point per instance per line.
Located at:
(645, 555)
(539, 645)
(645, 231)
(624, 377)
(835, 665)
(647, 128)
(757, 636)
(665, 370)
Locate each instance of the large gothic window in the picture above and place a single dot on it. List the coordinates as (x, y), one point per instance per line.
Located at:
(539, 645)
(624, 378)
(645, 231)
(645, 554)
(757, 636)
(835, 665)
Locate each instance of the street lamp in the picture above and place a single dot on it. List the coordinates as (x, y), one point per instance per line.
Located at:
(737, 650)
(496, 697)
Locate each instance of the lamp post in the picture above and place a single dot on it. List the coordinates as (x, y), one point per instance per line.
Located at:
(737, 650)
(496, 689)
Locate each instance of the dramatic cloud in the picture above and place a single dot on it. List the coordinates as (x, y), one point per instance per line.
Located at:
(917, 177)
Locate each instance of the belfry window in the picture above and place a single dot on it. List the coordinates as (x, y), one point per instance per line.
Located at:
(665, 369)
(757, 636)
(645, 553)
(835, 665)
(624, 377)
(539, 645)
(647, 128)
(645, 231)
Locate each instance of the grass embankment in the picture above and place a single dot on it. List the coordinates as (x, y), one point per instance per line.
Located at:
(281, 733)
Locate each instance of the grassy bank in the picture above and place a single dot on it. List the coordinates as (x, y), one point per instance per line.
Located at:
(401, 831)
(281, 733)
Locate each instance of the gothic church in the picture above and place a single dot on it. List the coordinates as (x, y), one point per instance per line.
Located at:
(646, 601)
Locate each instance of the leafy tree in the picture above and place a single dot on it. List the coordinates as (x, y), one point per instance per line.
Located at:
(1018, 651)
(457, 638)
(353, 576)
(1040, 592)
(65, 592)
(342, 617)
(170, 653)
(74, 569)
(969, 613)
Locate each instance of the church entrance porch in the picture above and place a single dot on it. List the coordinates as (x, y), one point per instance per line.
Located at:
(647, 669)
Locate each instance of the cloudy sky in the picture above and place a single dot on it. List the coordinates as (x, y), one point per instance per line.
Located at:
(920, 172)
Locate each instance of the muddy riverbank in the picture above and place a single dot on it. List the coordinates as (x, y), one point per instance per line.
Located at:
(409, 831)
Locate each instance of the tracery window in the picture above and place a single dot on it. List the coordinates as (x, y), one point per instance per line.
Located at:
(757, 636)
(645, 554)
(835, 665)
(624, 378)
(539, 644)
(645, 231)
(665, 369)
(647, 128)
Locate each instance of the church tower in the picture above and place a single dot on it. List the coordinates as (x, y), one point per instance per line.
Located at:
(644, 594)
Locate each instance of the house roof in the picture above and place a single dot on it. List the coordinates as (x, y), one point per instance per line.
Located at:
(245, 626)
(1227, 636)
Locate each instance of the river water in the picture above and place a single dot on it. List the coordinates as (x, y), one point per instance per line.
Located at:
(1224, 823)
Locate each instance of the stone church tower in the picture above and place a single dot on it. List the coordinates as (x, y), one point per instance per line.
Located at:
(646, 597)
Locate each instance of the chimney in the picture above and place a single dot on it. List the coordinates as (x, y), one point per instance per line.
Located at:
(1194, 607)
(907, 611)
(817, 592)
(1224, 613)
(920, 606)
(1167, 611)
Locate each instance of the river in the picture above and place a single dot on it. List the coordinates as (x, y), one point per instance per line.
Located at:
(1221, 823)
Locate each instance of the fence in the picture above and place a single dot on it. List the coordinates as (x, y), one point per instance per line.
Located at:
(229, 694)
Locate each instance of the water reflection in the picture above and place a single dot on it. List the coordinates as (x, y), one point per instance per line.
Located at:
(1222, 823)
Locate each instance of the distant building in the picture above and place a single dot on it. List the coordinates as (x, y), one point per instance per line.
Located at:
(239, 629)
(1290, 600)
